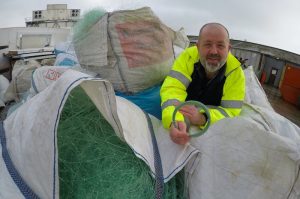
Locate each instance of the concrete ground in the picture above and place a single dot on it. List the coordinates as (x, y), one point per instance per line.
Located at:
(282, 107)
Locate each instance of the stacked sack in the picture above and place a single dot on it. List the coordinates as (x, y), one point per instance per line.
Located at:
(132, 49)
(65, 55)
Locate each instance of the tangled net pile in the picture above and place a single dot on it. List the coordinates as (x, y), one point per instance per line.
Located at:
(95, 163)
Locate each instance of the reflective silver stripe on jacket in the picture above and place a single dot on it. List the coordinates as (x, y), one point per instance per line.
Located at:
(180, 77)
(232, 103)
(170, 102)
(219, 109)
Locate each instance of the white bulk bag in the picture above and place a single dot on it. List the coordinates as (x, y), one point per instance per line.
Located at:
(132, 49)
(255, 155)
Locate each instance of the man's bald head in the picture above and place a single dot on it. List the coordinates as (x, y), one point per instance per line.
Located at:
(214, 26)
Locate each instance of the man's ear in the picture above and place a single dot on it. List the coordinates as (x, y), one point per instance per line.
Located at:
(229, 47)
(198, 44)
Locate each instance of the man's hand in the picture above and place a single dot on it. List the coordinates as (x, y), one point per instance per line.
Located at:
(193, 114)
(179, 135)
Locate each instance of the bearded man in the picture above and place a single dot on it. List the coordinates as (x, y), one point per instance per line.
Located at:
(207, 73)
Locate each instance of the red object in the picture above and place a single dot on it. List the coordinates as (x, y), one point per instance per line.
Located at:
(290, 94)
(290, 87)
(263, 77)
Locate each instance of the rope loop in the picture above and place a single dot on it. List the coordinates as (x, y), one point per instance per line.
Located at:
(201, 107)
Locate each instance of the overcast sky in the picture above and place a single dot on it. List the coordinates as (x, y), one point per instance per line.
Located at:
(274, 23)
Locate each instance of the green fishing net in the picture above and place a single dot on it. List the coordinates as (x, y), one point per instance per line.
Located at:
(95, 163)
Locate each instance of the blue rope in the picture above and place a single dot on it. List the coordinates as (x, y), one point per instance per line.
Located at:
(159, 177)
(21, 184)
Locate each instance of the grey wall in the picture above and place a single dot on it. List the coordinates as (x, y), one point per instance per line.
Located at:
(253, 58)
(270, 63)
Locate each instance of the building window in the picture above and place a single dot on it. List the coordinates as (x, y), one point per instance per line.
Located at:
(75, 13)
(38, 14)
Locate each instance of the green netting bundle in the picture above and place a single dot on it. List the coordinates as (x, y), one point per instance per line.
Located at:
(88, 20)
(95, 163)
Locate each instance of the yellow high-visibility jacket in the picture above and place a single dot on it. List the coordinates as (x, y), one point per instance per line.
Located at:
(174, 88)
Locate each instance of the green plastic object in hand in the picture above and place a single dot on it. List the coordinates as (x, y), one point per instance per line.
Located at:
(200, 106)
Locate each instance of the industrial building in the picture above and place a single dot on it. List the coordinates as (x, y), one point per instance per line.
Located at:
(45, 29)
(56, 16)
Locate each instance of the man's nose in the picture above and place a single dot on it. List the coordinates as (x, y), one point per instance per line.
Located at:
(214, 49)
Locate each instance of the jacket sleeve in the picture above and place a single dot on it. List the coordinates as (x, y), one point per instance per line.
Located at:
(173, 90)
(233, 97)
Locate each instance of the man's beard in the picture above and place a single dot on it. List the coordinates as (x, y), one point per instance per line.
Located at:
(212, 68)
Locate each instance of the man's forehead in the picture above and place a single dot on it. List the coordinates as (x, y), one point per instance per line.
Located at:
(214, 29)
(223, 41)
(214, 37)
(214, 34)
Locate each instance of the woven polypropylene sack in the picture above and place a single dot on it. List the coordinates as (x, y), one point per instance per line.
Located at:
(21, 79)
(132, 49)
